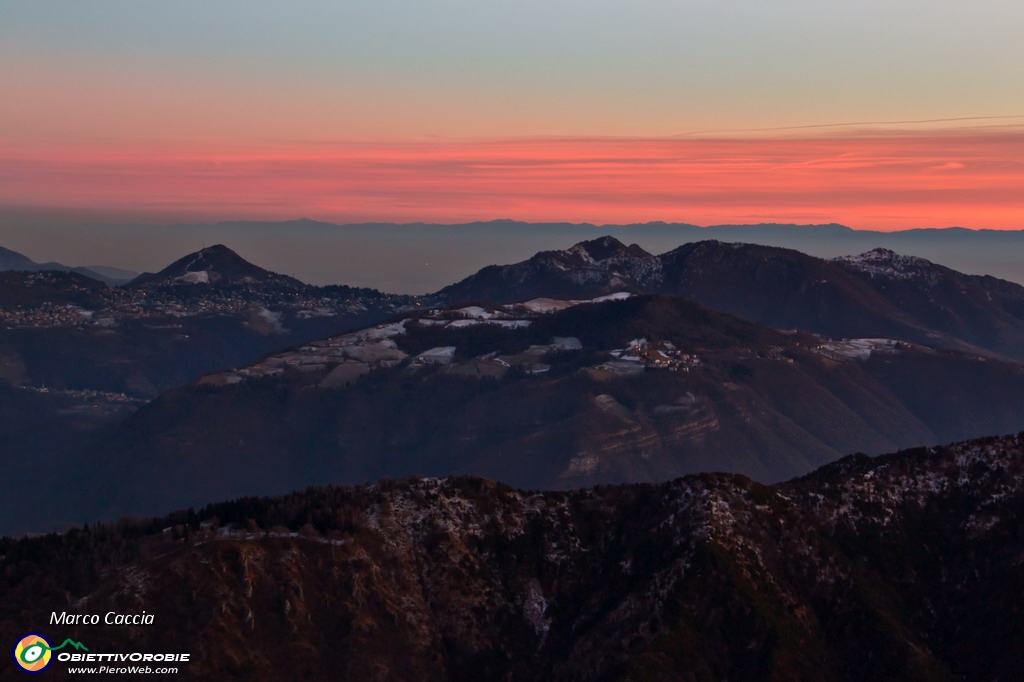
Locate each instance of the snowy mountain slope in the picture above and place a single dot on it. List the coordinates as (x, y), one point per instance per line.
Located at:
(876, 294)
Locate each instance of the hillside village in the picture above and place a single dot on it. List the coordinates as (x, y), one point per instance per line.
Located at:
(108, 306)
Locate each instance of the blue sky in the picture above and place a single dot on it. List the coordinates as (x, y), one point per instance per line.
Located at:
(450, 68)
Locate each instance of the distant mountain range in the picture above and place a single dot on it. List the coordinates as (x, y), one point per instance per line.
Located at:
(904, 567)
(419, 258)
(12, 260)
(878, 293)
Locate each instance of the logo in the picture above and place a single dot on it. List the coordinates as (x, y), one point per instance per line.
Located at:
(32, 653)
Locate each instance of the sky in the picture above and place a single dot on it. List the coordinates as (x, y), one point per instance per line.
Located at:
(879, 115)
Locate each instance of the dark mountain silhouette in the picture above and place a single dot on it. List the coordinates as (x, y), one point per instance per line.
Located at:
(215, 265)
(586, 270)
(877, 294)
(12, 260)
(904, 567)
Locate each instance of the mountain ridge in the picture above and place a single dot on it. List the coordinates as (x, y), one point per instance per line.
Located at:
(784, 288)
(213, 265)
(905, 566)
(424, 257)
(12, 260)
(644, 388)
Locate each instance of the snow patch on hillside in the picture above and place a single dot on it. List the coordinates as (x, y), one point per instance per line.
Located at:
(273, 320)
(553, 305)
(888, 264)
(199, 277)
(856, 349)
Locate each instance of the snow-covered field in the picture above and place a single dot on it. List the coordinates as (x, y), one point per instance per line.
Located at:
(553, 305)
(856, 349)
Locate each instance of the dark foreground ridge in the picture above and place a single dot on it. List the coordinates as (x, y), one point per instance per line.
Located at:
(904, 567)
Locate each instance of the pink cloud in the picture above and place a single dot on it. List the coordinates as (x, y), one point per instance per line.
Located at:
(883, 180)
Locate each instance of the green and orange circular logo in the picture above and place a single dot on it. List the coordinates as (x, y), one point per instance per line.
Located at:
(32, 653)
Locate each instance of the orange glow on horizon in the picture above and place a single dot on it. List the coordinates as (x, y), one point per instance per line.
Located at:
(874, 180)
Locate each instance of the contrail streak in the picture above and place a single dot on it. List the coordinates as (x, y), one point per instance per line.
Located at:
(854, 123)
